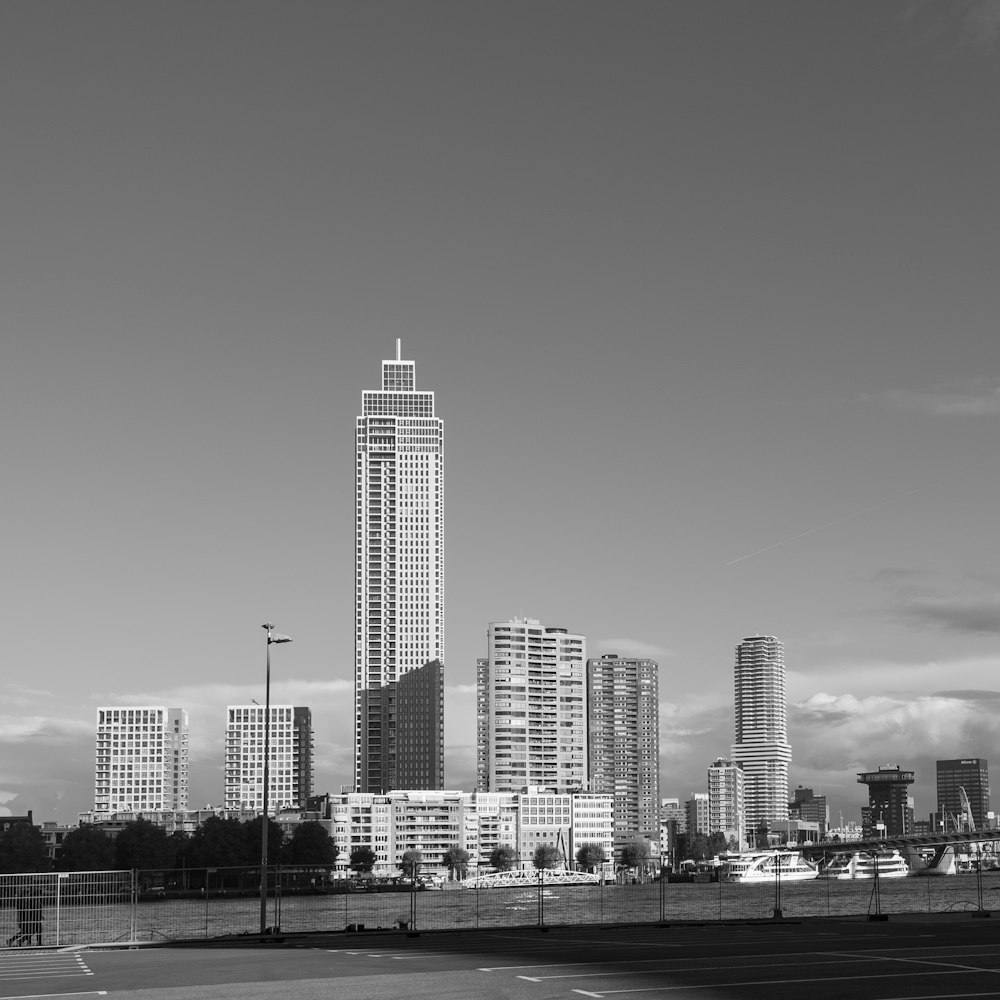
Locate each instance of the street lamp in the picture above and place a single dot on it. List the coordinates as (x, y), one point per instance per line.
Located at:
(271, 638)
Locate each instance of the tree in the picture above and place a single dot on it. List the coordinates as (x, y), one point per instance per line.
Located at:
(590, 856)
(716, 843)
(411, 862)
(634, 854)
(275, 841)
(546, 856)
(311, 844)
(22, 849)
(86, 849)
(760, 835)
(695, 847)
(145, 846)
(503, 858)
(457, 860)
(220, 843)
(363, 858)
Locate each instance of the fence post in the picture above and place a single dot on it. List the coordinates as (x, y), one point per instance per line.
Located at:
(541, 898)
(777, 885)
(134, 907)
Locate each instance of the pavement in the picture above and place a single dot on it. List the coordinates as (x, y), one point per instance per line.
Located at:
(916, 957)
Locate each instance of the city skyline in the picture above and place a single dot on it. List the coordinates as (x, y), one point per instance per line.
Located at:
(706, 293)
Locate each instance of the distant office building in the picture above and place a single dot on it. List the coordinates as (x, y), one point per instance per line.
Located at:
(971, 774)
(531, 699)
(141, 758)
(290, 764)
(810, 808)
(761, 728)
(726, 802)
(696, 813)
(673, 823)
(624, 744)
(889, 811)
(399, 541)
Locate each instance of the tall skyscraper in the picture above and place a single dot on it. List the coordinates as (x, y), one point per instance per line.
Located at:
(726, 801)
(399, 542)
(761, 729)
(531, 698)
(972, 774)
(141, 759)
(289, 772)
(623, 742)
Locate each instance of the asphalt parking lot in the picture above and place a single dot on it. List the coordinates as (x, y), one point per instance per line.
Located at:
(953, 956)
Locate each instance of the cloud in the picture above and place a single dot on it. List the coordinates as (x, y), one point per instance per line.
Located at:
(974, 615)
(969, 24)
(980, 398)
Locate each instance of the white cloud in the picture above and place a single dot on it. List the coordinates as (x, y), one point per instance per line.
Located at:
(973, 399)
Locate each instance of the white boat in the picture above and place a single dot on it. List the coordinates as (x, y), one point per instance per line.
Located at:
(766, 866)
(863, 864)
(521, 878)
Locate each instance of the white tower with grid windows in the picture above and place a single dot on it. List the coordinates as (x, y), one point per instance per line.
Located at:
(289, 773)
(531, 693)
(399, 545)
(141, 759)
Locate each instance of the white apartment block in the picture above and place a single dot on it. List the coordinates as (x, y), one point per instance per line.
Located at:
(696, 810)
(761, 744)
(623, 710)
(141, 759)
(726, 804)
(531, 708)
(399, 547)
(290, 759)
(434, 821)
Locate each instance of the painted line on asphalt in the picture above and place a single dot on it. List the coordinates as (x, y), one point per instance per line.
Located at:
(690, 968)
(39, 996)
(772, 982)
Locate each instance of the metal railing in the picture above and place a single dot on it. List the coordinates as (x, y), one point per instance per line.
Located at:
(81, 908)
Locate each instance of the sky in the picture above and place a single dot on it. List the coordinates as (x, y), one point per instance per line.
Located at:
(707, 293)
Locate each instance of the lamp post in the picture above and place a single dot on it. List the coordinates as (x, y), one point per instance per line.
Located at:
(271, 637)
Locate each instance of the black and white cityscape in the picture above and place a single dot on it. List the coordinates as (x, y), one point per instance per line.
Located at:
(596, 404)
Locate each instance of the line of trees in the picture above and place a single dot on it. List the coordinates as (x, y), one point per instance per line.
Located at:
(217, 843)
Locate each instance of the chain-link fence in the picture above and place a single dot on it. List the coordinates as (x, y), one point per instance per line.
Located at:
(98, 907)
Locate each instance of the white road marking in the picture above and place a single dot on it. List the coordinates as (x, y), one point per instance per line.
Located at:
(771, 982)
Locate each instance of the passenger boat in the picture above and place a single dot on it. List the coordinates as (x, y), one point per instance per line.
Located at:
(766, 866)
(519, 878)
(862, 864)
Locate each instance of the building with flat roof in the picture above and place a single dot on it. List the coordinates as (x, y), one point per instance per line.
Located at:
(290, 761)
(140, 758)
(726, 801)
(531, 703)
(623, 742)
(971, 774)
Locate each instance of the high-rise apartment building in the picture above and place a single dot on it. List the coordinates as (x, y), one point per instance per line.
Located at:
(623, 742)
(531, 696)
(399, 544)
(290, 763)
(726, 801)
(761, 744)
(696, 813)
(971, 774)
(141, 759)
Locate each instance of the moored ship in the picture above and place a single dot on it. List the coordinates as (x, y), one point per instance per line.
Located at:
(763, 866)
